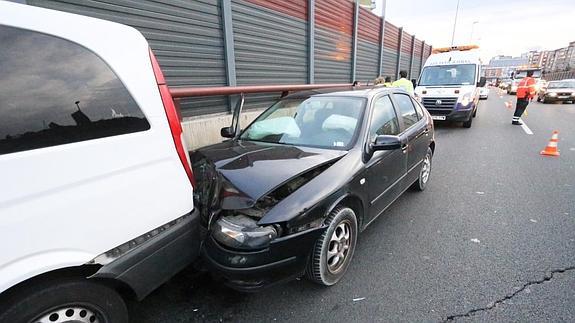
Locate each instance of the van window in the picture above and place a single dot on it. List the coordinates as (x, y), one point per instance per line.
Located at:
(55, 92)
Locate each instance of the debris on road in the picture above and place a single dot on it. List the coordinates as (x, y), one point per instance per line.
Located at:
(358, 299)
(532, 220)
(480, 193)
(475, 240)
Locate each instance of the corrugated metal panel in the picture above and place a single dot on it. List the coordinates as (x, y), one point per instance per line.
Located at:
(426, 53)
(270, 42)
(391, 43)
(405, 53)
(333, 40)
(186, 37)
(416, 59)
(369, 26)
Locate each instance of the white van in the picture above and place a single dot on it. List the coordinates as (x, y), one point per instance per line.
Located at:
(449, 84)
(96, 187)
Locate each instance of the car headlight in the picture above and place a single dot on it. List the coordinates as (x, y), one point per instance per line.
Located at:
(552, 94)
(573, 94)
(242, 232)
(465, 99)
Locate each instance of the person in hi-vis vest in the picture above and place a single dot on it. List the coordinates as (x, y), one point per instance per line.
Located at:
(525, 92)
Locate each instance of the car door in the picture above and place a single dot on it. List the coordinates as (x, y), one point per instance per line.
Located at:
(416, 130)
(385, 169)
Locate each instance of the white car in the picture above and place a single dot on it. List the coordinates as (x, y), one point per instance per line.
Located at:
(96, 196)
(483, 93)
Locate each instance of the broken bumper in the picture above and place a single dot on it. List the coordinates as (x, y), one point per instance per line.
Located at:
(285, 259)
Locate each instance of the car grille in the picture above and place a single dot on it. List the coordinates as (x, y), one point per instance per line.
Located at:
(445, 108)
(564, 93)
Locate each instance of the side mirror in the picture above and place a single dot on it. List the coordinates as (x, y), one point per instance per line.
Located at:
(385, 142)
(227, 132)
(482, 81)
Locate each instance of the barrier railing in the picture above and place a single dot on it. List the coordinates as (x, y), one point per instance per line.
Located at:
(229, 90)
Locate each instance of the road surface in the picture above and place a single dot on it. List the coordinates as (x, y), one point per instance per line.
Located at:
(492, 239)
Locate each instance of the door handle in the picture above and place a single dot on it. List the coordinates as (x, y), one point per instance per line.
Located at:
(404, 148)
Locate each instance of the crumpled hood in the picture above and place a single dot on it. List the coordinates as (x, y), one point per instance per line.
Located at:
(236, 174)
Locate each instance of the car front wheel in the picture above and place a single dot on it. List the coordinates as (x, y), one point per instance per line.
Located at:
(71, 300)
(333, 251)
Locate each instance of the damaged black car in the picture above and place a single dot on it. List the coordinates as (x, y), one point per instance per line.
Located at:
(288, 195)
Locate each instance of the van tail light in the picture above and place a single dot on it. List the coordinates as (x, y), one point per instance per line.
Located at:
(173, 118)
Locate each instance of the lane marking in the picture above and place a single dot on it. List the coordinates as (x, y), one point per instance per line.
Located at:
(525, 128)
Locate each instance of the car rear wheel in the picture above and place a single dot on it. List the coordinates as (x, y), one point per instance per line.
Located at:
(333, 251)
(72, 300)
(424, 173)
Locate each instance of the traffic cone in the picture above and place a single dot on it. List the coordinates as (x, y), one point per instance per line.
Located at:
(551, 149)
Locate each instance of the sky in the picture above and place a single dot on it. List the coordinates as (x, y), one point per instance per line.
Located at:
(504, 27)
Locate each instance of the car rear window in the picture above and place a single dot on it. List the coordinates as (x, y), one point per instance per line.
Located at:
(55, 92)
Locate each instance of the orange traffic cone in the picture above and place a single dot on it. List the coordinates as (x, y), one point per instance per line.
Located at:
(551, 149)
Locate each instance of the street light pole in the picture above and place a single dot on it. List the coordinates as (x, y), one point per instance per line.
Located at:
(455, 23)
(472, 29)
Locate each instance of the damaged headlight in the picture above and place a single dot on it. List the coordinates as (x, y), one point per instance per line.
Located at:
(242, 232)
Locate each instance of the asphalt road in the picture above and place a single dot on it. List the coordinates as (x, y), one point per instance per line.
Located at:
(492, 239)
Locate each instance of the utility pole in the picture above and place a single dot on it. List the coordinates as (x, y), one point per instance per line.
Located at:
(455, 23)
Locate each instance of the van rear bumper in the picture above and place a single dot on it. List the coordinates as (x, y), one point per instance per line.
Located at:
(152, 263)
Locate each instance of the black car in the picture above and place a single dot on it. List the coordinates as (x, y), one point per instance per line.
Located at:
(288, 195)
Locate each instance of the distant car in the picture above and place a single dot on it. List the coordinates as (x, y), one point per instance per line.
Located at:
(290, 193)
(504, 84)
(483, 93)
(558, 91)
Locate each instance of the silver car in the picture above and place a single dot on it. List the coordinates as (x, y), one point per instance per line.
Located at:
(558, 91)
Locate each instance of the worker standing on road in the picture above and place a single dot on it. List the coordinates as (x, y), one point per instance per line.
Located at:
(387, 81)
(403, 82)
(525, 92)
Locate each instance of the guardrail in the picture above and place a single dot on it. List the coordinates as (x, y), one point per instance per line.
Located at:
(229, 90)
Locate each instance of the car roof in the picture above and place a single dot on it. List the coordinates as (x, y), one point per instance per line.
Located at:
(361, 92)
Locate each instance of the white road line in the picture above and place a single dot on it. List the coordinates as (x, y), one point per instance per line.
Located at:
(525, 128)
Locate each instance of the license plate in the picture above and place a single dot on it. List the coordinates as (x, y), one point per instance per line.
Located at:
(438, 117)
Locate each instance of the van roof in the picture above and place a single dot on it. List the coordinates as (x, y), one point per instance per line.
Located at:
(454, 57)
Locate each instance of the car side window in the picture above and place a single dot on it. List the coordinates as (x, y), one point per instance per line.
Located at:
(55, 92)
(418, 108)
(406, 109)
(383, 120)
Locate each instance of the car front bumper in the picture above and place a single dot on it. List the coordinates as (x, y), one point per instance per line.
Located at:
(285, 259)
(559, 98)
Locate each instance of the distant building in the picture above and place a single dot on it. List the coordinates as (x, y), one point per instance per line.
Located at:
(502, 66)
(558, 60)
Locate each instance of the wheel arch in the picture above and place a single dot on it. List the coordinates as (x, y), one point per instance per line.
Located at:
(355, 203)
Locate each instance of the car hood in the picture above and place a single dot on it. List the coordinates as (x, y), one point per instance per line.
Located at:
(236, 174)
(561, 90)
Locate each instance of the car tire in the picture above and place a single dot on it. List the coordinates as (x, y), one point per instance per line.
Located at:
(76, 300)
(424, 173)
(467, 124)
(327, 269)
(538, 98)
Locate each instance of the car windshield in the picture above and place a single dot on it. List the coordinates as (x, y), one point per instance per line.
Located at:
(324, 122)
(522, 74)
(463, 74)
(562, 84)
